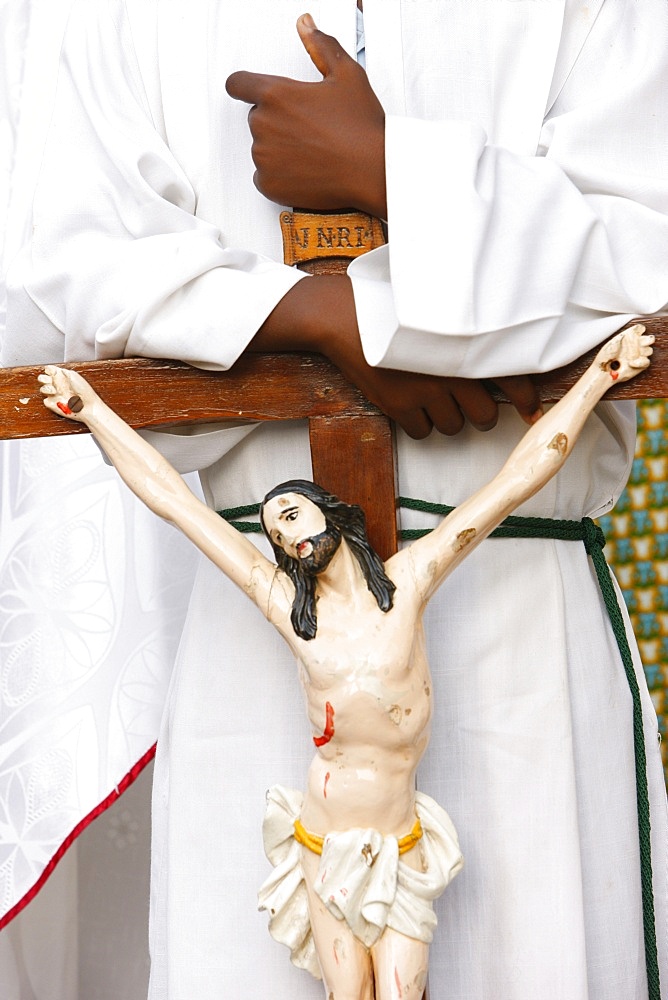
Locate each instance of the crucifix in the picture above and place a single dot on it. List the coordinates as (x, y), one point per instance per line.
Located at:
(361, 856)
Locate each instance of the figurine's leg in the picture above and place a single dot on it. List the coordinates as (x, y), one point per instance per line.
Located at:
(400, 966)
(344, 961)
(400, 963)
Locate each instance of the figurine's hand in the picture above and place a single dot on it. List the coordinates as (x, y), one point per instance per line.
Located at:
(317, 145)
(627, 354)
(66, 393)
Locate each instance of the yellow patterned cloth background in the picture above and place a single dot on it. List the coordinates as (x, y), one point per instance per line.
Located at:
(637, 549)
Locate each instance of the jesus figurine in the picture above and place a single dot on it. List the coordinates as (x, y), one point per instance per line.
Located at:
(360, 856)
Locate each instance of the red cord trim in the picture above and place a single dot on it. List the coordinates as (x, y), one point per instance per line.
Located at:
(114, 796)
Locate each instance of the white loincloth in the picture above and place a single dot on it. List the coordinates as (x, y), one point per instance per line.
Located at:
(387, 893)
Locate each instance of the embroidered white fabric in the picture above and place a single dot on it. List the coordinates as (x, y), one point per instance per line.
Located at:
(93, 594)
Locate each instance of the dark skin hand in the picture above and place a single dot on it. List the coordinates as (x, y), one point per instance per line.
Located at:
(322, 146)
(318, 314)
(339, 160)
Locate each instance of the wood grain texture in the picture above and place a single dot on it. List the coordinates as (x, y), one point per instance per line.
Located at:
(354, 457)
(149, 393)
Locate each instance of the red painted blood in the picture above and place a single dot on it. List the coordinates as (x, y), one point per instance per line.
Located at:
(320, 741)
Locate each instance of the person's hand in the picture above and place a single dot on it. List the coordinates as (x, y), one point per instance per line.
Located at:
(317, 145)
(420, 403)
(318, 314)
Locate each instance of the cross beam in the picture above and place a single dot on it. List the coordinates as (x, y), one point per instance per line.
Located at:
(351, 440)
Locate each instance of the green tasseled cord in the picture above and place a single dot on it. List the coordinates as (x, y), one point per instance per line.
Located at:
(594, 541)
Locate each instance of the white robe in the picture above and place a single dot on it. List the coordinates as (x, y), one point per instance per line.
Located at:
(151, 239)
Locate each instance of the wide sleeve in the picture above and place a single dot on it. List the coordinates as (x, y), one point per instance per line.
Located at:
(501, 263)
(119, 264)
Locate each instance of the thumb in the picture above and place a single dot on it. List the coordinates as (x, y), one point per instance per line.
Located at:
(325, 52)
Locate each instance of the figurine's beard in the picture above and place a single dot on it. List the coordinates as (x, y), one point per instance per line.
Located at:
(323, 549)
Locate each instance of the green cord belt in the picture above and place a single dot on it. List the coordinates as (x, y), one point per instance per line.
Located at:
(594, 541)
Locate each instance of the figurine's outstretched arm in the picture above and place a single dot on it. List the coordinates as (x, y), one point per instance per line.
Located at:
(160, 487)
(539, 456)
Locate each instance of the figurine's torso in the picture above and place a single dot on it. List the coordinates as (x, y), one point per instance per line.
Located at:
(369, 700)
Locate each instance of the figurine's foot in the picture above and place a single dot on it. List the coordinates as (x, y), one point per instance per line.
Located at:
(627, 354)
(66, 392)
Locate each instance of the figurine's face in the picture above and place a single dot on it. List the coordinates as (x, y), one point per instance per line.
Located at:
(292, 522)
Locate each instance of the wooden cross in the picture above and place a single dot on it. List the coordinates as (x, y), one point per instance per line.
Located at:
(352, 447)
(351, 441)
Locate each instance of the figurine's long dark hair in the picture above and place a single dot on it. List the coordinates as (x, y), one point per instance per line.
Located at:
(349, 519)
